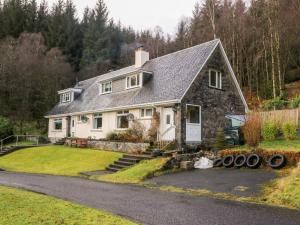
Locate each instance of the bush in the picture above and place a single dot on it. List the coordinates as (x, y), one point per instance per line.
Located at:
(252, 130)
(289, 130)
(220, 141)
(295, 102)
(6, 127)
(276, 103)
(269, 131)
(112, 136)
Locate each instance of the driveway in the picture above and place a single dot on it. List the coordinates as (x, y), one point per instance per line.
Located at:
(152, 206)
(242, 182)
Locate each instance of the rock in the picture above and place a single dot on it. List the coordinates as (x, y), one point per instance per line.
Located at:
(187, 165)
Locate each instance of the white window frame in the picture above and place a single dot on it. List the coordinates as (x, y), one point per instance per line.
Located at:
(218, 79)
(97, 116)
(121, 114)
(79, 117)
(138, 80)
(54, 122)
(198, 106)
(102, 90)
(65, 97)
(143, 112)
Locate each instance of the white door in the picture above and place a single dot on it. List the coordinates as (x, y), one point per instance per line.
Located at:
(193, 123)
(167, 131)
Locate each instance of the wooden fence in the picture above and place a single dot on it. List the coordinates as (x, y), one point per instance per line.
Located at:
(281, 116)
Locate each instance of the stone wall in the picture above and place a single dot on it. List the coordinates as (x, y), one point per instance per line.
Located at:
(215, 103)
(125, 147)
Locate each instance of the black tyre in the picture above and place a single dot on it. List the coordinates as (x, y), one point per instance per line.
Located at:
(218, 162)
(277, 161)
(240, 161)
(253, 161)
(228, 161)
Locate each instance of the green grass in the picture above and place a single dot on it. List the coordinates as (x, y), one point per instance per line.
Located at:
(25, 208)
(57, 160)
(282, 145)
(135, 174)
(285, 191)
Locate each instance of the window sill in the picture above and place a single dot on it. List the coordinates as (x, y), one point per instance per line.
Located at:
(219, 89)
(121, 129)
(96, 130)
(56, 131)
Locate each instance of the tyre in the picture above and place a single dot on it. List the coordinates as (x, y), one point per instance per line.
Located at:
(240, 161)
(218, 162)
(253, 161)
(228, 161)
(277, 161)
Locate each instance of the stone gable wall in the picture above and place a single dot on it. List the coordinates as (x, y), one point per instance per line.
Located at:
(215, 103)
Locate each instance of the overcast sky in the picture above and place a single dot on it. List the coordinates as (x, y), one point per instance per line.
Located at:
(143, 14)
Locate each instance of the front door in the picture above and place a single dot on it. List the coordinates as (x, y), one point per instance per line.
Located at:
(69, 126)
(167, 132)
(193, 123)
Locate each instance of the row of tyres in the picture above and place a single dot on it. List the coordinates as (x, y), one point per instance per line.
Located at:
(252, 161)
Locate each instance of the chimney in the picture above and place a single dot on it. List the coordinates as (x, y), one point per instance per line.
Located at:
(141, 57)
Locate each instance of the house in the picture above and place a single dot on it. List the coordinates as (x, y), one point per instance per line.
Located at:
(192, 90)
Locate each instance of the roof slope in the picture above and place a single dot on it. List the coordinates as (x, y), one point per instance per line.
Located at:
(172, 75)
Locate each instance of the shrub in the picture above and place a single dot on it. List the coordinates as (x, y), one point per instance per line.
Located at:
(289, 130)
(269, 131)
(295, 102)
(252, 130)
(276, 103)
(220, 141)
(152, 132)
(6, 127)
(112, 136)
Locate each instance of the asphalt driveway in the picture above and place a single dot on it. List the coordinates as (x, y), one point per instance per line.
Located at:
(152, 206)
(242, 182)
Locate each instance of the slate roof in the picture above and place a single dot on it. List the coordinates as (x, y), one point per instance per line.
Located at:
(172, 75)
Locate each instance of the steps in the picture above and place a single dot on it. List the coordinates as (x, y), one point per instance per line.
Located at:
(7, 150)
(126, 161)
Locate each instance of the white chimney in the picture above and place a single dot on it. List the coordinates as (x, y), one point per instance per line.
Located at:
(141, 57)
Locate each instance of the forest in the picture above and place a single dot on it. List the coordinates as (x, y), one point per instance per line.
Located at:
(45, 48)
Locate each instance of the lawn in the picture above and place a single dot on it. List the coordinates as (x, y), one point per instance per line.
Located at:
(57, 160)
(21, 207)
(293, 145)
(285, 191)
(135, 174)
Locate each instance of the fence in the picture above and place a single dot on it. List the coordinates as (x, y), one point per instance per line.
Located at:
(281, 116)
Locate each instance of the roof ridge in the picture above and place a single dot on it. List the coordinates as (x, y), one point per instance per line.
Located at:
(185, 49)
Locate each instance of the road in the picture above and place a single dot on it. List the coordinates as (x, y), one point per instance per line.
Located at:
(148, 206)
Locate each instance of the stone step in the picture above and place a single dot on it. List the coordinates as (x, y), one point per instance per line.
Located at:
(117, 166)
(112, 169)
(121, 162)
(139, 157)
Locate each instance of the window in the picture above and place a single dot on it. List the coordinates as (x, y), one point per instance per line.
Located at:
(147, 113)
(193, 114)
(73, 123)
(58, 124)
(133, 81)
(66, 97)
(82, 118)
(215, 79)
(106, 87)
(122, 120)
(97, 121)
(168, 119)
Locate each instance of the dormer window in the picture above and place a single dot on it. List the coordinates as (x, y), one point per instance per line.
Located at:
(106, 87)
(65, 97)
(133, 81)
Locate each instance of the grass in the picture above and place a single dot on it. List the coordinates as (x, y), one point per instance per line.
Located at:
(135, 174)
(57, 160)
(23, 208)
(285, 191)
(21, 143)
(282, 145)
